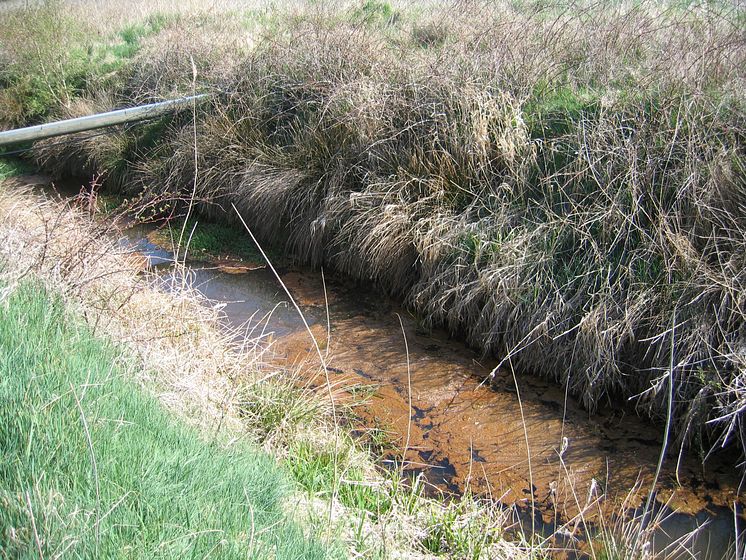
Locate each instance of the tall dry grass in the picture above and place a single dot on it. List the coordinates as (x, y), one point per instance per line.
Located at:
(552, 180)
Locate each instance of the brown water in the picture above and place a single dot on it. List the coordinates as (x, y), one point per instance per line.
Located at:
(466, 428)
(516, 438)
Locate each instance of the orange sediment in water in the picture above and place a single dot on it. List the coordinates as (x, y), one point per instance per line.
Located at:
(468, 428)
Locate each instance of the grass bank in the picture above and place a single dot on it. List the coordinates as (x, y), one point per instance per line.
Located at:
(93, 467)
(563, 184)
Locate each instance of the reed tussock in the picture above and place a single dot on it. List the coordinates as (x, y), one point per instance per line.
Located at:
(561, 183)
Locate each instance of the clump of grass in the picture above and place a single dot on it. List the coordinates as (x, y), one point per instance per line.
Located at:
(133, 34)
(462, 530)
(312, 467)
(49, 58)
(39, 68)
(375, 12)
(11, 167)
(433, 34)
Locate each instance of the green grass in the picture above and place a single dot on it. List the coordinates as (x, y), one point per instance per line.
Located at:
(50, 71)
(12, 167)
(144, 485)
(375, 12)
(99, 59)
(448, 534)
(212, 240)
(314, 470)
(110, 203)
(552, 112)
(133, 35)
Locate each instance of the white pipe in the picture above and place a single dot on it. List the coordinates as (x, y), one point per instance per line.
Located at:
(102, 120)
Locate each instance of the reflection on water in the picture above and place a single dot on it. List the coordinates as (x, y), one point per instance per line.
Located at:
(259, 308)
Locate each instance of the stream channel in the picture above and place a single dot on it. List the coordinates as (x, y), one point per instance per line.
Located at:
(518, 439)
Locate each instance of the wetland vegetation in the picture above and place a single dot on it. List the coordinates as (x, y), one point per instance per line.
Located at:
(562, 184)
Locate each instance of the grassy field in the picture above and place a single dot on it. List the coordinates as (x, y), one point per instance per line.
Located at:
(561, 183)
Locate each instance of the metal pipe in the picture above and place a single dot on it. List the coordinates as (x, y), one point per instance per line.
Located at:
(93, 122)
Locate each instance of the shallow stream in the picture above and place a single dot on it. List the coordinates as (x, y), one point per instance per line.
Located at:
(516, 438)
(468, 426)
